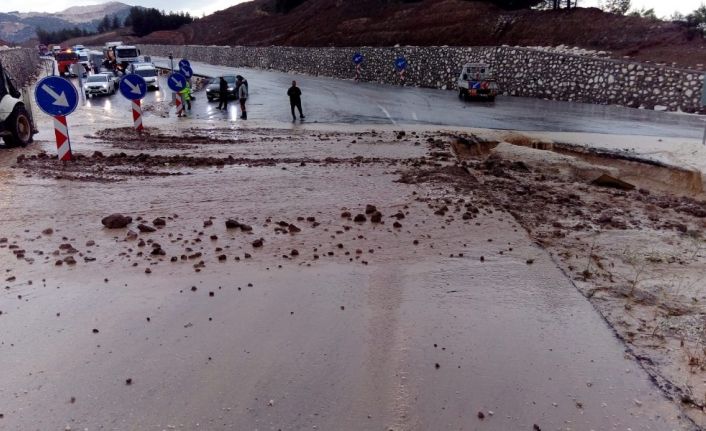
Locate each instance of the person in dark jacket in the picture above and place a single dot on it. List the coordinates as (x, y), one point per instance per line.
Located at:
(295, 100)
(223, 94)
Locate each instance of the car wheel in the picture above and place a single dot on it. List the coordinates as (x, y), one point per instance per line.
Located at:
(20, 127)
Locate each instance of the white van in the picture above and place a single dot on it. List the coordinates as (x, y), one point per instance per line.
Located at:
(148, 72)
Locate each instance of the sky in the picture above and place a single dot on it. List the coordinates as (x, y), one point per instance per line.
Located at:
(663, 8)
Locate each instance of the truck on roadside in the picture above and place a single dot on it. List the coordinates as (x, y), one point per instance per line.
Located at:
(64, 60)
(118, 56)
(477, 81)
(16, 125)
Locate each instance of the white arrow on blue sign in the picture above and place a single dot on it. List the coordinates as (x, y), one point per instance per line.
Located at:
(176, 82)
(133, 87)
(56, 96)
(401, 63)
(184, 63)
(358, 58)
(186, 71)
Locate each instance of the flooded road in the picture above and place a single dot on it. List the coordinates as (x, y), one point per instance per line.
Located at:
(327, 100)
(422, 320)
(441, 312)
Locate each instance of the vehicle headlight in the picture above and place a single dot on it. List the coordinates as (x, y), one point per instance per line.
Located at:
(208, 90)
(231, 88)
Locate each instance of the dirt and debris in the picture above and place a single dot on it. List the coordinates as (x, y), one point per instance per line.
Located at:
(634, 248)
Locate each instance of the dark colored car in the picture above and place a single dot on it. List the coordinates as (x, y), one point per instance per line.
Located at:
(213, 90)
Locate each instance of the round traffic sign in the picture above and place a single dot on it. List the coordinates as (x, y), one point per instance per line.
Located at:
(358, 58)
(133, 87)
(401, 63)
(176, 82)
(186, 71)
(56, 96)
(184, 63)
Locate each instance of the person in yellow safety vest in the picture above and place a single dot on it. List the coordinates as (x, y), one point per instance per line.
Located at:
(186, 95)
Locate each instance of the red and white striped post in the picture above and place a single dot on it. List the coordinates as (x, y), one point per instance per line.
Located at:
(179, 105)
(137, 115)
(63, 143)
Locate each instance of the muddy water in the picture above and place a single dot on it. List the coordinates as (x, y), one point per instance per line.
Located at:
(399, 336)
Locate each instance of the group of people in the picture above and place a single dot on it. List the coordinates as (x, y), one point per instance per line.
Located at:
(294, 93)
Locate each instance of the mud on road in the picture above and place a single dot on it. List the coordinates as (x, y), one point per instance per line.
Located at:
(636, 250)
(278, 278)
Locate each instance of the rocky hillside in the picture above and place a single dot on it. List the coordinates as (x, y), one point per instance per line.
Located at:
(431, 23)
(438, 22)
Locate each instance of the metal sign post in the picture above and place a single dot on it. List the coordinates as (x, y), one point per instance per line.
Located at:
(358, 60)
(703, 103)
(401, 66)
(134, 88)
(58, 97)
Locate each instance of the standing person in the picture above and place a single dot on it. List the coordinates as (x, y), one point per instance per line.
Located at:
(223, 94)
(243, 97)
(186, 95)
(295, 100)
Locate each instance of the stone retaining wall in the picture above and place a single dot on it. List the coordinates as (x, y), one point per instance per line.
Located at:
(21, 63)
(520, 71)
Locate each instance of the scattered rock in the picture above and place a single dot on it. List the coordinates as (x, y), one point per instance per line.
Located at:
(48, 231)
(116, 221)
(293, 229)
(207, 223)
(376, 217)
(145, 228)
(360, 218)
(481, 415)
(369, 209)
(232, 224)
(346, 214)
(258, 243)
(159, 221)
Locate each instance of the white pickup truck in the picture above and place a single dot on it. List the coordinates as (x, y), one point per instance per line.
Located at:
(477, 81)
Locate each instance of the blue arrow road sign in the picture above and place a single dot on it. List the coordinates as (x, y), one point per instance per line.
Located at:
(184, 63)
(56, 96)
(186, 71)
(133, 87)
(176, 82)
(358, 58)
(401, 63)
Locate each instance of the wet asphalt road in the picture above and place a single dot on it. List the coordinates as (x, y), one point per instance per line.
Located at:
(327, 100)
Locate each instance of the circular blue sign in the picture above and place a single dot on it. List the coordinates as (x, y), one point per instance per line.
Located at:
(56, 96)
(133, 87)
(186, 71)
(184, 63)
(358, 58)
(401, 63)
(176, 82)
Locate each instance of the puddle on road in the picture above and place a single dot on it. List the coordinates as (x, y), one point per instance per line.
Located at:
(587, 163)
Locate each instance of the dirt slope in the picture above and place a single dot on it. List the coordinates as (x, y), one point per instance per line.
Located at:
(437, 22)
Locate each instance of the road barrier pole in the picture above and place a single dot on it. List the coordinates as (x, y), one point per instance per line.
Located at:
(63, 143)
(137, 115)
(179, 105)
